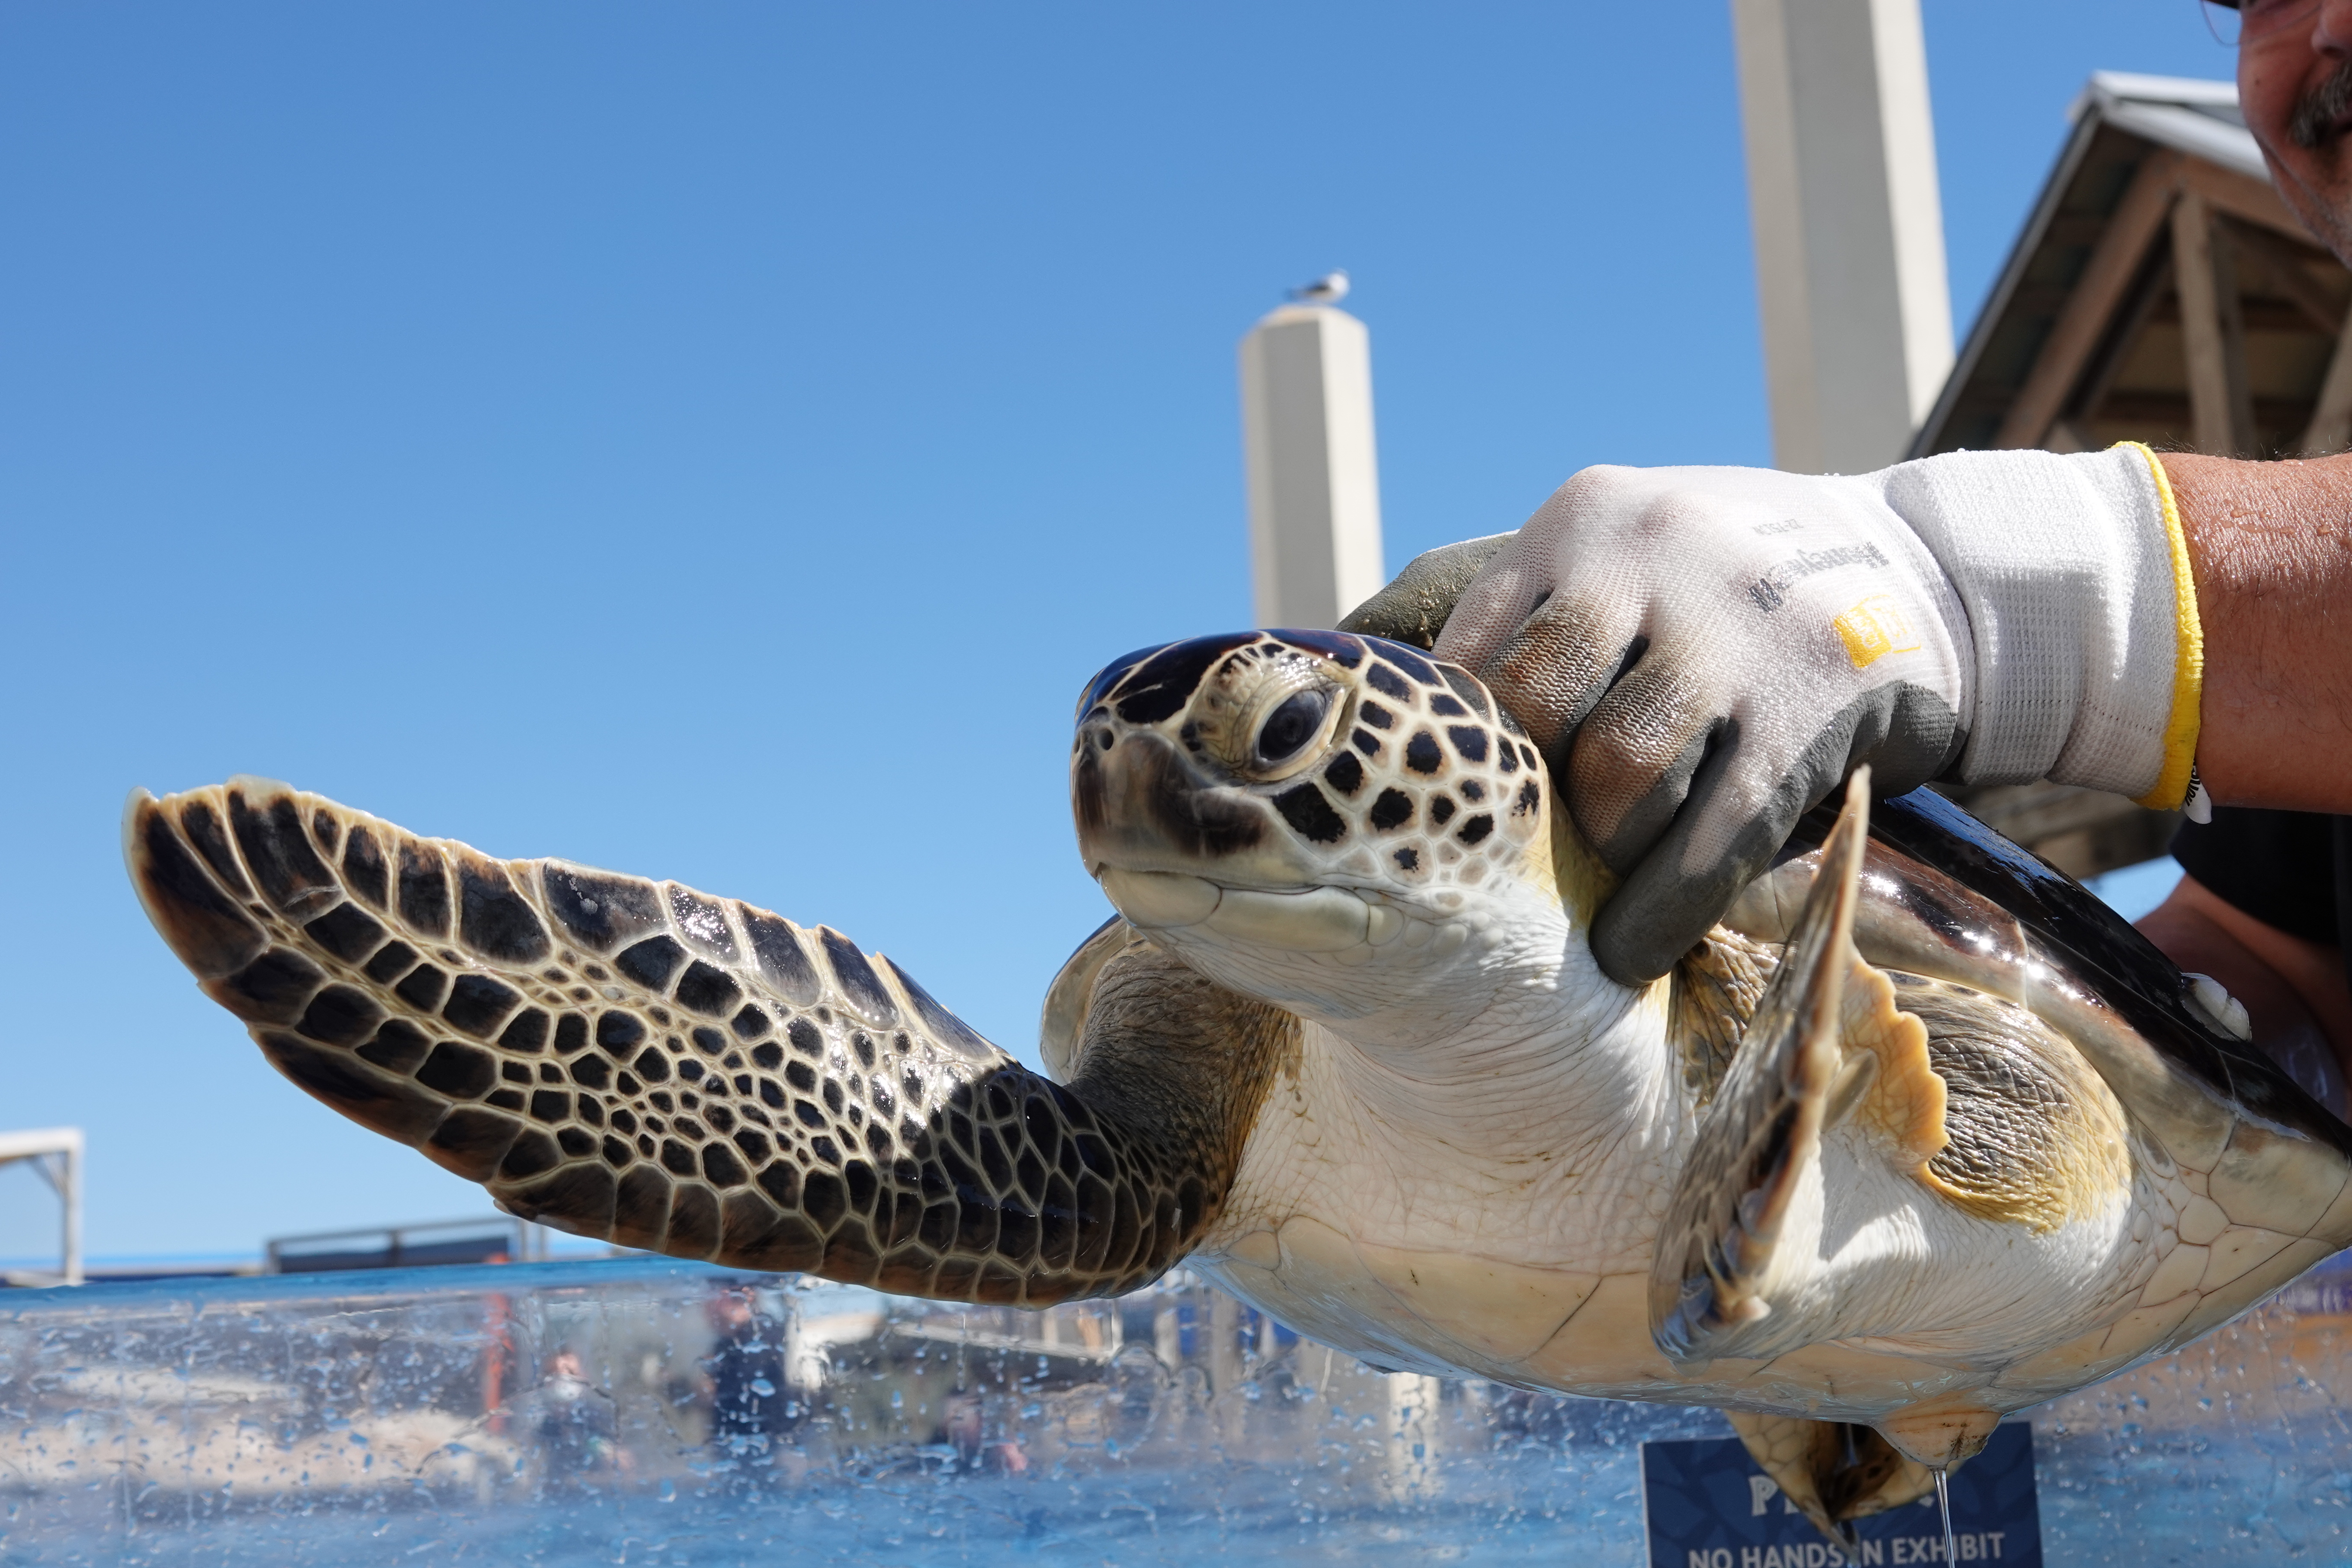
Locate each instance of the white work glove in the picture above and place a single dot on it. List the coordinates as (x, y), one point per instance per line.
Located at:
(1704, 654)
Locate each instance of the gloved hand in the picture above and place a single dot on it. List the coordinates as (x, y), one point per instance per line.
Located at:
(1703, 654)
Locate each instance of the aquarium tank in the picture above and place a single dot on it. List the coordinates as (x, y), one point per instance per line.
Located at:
(640, 1410)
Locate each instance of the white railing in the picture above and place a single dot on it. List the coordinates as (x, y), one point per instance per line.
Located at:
(54, 1154)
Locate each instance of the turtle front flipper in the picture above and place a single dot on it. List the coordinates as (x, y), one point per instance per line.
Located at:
(635, 1061)
(1741, 1236)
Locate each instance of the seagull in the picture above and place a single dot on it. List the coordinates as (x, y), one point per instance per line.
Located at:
(1327, 289)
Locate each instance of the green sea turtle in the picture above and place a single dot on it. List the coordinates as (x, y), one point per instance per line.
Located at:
(1921, 1135)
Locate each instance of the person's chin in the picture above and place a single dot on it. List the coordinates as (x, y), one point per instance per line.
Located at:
(2317, 183)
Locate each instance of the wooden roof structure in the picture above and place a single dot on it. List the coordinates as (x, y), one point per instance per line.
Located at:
(2159, 292)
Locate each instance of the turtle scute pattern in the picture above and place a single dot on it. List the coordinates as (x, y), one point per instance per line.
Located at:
(635, 1061)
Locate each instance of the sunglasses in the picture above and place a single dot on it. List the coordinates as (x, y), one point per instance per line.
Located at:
(2236, 22)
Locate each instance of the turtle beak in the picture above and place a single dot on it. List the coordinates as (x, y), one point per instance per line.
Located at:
(1173, 849)
(1140, 806)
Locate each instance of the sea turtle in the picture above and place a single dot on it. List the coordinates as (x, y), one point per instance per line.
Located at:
(1920, 1136)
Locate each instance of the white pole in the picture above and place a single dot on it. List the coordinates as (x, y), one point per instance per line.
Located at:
(1849, 226)
(1314, 475)
(70, 1197)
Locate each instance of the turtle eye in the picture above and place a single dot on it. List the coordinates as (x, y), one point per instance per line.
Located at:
(1288, 729)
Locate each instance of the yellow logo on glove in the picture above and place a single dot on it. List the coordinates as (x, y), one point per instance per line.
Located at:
(1872, 629)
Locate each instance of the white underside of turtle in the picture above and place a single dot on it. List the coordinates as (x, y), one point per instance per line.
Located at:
(1919, 1138)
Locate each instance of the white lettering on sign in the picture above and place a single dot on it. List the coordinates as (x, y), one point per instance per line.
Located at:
(1806, 1554)
(1980, 1547)
(1983, 1546)
(1759, 1494)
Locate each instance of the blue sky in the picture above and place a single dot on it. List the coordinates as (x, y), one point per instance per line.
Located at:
(717, 442)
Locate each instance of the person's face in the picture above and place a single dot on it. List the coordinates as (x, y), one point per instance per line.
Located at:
(2295, 84)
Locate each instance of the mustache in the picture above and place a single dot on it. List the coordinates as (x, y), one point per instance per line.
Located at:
(2317, 113)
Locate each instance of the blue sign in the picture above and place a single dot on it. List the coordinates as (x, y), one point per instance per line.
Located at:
(1708, 1505)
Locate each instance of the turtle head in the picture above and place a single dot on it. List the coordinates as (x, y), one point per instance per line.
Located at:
(1314, 817)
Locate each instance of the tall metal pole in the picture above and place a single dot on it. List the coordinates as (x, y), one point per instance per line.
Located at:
(1849, 226)
(1314, 475)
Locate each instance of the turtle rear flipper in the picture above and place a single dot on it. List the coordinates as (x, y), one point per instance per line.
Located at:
(2011, 964)
(637, 1062)
(1833, 1471)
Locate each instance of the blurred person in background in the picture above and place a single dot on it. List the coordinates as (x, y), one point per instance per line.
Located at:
(578, 1427)
(751, 1402)
(964, 1426)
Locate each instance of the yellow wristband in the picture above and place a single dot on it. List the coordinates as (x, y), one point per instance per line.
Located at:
(2187, 654)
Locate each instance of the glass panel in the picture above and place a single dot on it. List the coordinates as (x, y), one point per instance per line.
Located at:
(640, 1410)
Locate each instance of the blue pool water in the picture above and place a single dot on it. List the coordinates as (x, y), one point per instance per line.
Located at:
(644, 1411)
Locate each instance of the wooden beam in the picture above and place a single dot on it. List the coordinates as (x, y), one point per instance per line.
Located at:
(2242, 197)
(2230, 297)
(2330, 430)
(2152, 291)
(2138, 219)
(2281, 265)
(2212, 333)
(2171, 411)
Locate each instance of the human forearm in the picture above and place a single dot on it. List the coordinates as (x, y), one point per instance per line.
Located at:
(2270, 546)
(2294, 991)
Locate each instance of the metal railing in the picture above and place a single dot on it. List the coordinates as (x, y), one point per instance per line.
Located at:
(56, 1156)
